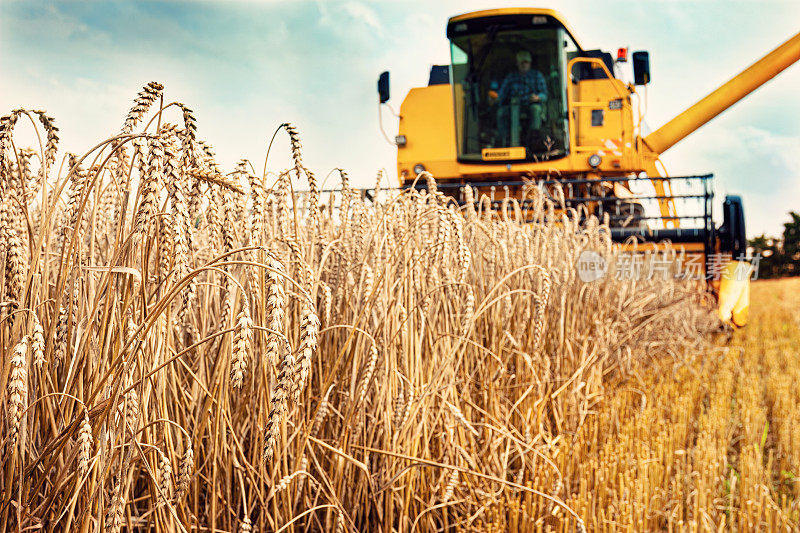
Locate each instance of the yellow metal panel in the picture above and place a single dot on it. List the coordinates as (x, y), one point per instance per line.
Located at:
(426, 119)
(594, 95)
(613, 138)
(518, 11)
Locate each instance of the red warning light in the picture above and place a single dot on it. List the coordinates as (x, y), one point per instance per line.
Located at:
(622, 55)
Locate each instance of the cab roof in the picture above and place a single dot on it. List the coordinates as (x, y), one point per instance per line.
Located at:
(517, 11)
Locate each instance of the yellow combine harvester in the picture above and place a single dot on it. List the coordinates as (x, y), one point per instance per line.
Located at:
(522, 100)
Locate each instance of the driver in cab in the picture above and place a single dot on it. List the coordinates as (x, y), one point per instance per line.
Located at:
(528, 87)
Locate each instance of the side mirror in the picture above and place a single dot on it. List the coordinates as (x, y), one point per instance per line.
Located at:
(641, 68)
(383, 87)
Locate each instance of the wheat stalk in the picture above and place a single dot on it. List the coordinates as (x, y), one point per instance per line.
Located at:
(185, 473)
(275, 304)
(164, 478)
(84, 444)
(309, 327)
(280, 394)
(242, 336)
(17, 386)
(372, 362)
(115, 511)
(151, 92)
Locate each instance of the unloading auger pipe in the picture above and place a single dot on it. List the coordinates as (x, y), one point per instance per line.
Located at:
(725, 96)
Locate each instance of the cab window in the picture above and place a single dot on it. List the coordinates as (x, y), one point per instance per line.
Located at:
(510, 94)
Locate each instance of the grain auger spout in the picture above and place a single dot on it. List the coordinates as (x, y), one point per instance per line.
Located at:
(725, 96)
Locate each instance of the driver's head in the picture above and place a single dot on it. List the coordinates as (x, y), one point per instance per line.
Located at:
(523, 60)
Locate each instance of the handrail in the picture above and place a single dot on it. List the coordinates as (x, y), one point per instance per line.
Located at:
(599, 62)
(573, 104)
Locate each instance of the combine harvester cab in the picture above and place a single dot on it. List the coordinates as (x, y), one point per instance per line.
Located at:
(522, 102)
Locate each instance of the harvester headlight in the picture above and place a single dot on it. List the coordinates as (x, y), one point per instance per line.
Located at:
(400, 140)
(594, 160)
(419, 168)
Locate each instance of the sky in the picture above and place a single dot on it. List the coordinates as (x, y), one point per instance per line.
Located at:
(245, 67)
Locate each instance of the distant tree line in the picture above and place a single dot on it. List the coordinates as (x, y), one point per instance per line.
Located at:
(780, 256)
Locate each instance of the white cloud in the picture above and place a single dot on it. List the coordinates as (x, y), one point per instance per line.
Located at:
(361, 13)
(351, 22)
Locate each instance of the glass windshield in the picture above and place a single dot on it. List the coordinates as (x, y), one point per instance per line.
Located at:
(510, 94)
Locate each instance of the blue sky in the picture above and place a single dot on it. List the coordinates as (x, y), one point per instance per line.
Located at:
(247, 66)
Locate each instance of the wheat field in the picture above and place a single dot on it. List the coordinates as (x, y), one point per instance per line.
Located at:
(190, 349)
